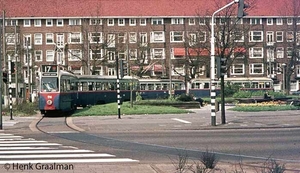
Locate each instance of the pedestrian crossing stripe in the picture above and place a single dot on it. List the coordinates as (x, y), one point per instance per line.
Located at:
(15, 149)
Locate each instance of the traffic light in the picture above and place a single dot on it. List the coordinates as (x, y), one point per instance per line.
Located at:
(241, 7)
(12, 66)
(123, 68)
(221, 66)
(4, 77)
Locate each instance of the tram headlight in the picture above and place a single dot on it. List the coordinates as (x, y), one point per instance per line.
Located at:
(49, 102)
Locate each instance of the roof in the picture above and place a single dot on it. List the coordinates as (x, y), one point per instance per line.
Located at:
(137, 8)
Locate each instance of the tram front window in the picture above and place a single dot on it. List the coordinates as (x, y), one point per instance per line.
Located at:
(49, 84)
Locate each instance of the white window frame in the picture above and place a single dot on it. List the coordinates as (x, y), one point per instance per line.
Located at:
(252, 68)
(255, 21)
(49, 36)
(290, 36)
(143, 38)
(27, 22)
(122, 37)
(38, 38)
(37, 22)
(237, 67)
(157, 21)
(157, 37)
(270, 37)
(279, 21)
(75, 38)
(202, 21)
(111, 40)
(256, 52)
(280, 52)
(192, 21)
(175, 34)
(59, 22)
(279, 34)
(38, 53)
(96, 21)
(121, 22)
(132, 37)
(49, 22)
(96, 53)
(96, 37)
(158, 53)
(254, 34)
(75, 55)
(132, 54)
(177, 21)
(111, 71)
(110, 22)
(143, 22)
(132, 22)
(27, 36)
(74, 22)
(50, 55)
(111, 56)
(10, 38)
(289, 21)
(270, 21)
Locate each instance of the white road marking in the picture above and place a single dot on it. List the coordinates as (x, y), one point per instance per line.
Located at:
(21, 142)
(45, 151)
(53, 156)
(180, 120)
(29, 144)
(25, 148)
(68, 161)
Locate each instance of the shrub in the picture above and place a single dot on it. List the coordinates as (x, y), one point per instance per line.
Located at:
(184, 98)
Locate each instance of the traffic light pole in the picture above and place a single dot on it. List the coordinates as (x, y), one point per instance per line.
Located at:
(118, 88)
(212, 65)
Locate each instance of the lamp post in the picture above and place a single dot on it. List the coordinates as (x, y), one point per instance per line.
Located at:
(212, 65)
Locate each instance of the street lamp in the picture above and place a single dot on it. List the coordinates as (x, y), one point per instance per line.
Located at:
(212, 65)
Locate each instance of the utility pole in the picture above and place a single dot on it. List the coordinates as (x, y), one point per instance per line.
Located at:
(1, 74)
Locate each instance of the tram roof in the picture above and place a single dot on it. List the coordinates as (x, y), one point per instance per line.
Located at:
(240, 79)
(101, 77)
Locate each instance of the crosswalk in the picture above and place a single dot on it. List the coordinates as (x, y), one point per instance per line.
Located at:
(16, 149)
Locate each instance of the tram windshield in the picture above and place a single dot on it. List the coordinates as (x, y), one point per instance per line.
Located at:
(49, 84)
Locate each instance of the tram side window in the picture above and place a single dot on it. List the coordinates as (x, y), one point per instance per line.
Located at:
(84, 86)
(165, 87)
(143, 86)
(150, 86)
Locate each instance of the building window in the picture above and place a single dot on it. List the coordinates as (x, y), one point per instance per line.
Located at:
(256, 36)
(237, 69)
(111, 55)
(289, 52)
(177, 36)
(37, 22)
(74, 38)
(143, 38)
(111, 71)
(122, 55)
(74, 22)
(27, 59)
(49, 38)
(256, 52)
(38, 40)
(269, 21)
(95, 21)
(256, 68)
(11, 22)
(96, 54)
(121, 22)
(38, 55)
(27, 23)
(255, 21)
(132, 22)
(110, 22)
(50, 55)
(143, 22)
(279, 21)
(122, 37)
(111, 40)
(280, 52)
(289, 21)
(10, 38)
(27, 41)
(192, 21)
(59, 22)
(132, 54)
(192, 39)
(132, 37)
(238, 36)
(157, 37)
(157, 21)
(158, 53)
(270, 37)
(279, 36)
(201, 21)
(96, 37)
(49, 22)
(202, 36)
(75, 55)
(289, 36)
(177, 21)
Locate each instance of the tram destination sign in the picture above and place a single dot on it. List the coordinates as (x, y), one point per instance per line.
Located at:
(49, 70)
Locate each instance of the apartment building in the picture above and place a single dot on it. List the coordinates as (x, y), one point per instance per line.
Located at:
(156, 39)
